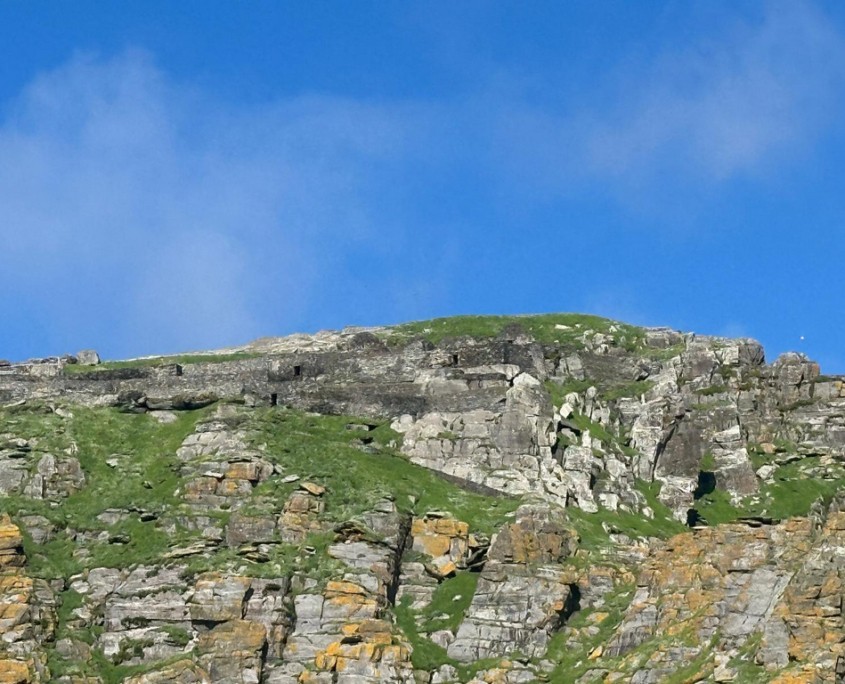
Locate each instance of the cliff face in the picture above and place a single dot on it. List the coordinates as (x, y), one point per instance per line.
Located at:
(555, 498)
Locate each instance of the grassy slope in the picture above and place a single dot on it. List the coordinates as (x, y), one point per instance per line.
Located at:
(564, 329)
(318, 448)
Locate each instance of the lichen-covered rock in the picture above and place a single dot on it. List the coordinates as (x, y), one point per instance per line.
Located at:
(220, 467)
(55, 478)
(11, 544)
(301, 515)
(271, 538)
(724, 585)
(514, 610)
(448, 542)
(368, 651)
(180, 672)
(320, 618)
(27, 616)
(231, 652)
(218, 598)
(523, 594)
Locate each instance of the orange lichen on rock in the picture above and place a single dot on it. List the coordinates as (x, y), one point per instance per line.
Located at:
(372, 641)
(15, 595)
(14, 672)
(11, 544)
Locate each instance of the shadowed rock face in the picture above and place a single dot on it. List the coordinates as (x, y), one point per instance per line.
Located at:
(265, 515)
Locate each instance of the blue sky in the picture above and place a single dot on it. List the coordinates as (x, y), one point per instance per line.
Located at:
(178, 176)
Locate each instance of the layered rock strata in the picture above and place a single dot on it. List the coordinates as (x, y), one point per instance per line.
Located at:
(630, 505)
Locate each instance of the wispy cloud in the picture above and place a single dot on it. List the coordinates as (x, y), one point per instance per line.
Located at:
(135, 208)
(731, 105)
(142, 210)
(726, 106)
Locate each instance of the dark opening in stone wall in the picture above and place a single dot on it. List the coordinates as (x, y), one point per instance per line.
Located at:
(706, 484)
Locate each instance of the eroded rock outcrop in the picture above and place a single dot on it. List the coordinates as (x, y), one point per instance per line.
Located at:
(524, 594)
(608, 504)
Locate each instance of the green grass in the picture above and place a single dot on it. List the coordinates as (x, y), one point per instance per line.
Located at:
(785, 445)
(793, 490)
(708, 462)
(610, 440)
(662, 513)
(712, 390)
(320, 448)
(141, 542)
(572, 663)
(425, 654)
(795, 405)
(606, 391)
(716, 508)
(69, 601)
(558, 391)
(628, 390)
(696, 670)
(572, 660)
(49, 560)
(284, 559)
(596, 430)
(154, 362)
(451, 598)
(37, 423)
(103, 669)
(747, 671)
(541, 327)
(147, 478)
(727, 372)
(667, 353)
(112, 673)
(177, 635)
(594, 536)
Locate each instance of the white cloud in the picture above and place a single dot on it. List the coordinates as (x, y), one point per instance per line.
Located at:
(194, 282)
(138, 209)
(135, 209)
(733, 105)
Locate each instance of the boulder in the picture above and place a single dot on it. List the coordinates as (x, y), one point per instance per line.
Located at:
(87, 357)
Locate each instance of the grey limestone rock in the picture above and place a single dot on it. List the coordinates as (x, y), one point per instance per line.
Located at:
(522, 595)
(665, 408)
(88, 357)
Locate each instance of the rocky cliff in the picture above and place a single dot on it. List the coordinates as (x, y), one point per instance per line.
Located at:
(552, 498)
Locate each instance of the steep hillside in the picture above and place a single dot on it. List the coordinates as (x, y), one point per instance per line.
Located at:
(555, 498)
